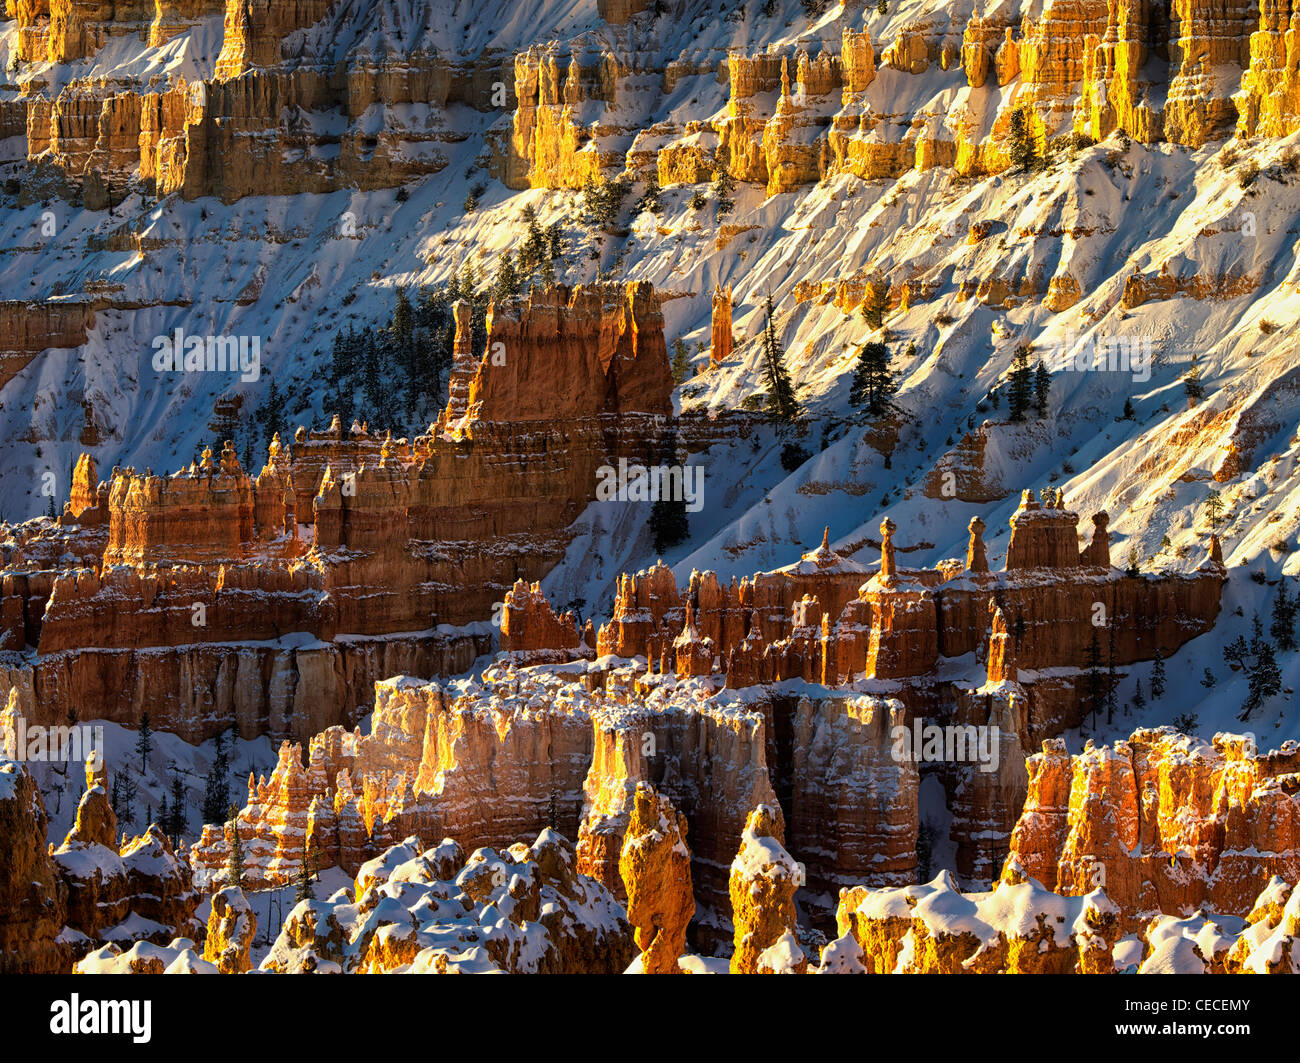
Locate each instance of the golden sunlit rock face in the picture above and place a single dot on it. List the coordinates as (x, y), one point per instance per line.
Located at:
(1164, 822)
(649, 487)
(655, 866)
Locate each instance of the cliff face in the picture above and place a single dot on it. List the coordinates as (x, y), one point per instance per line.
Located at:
(27, 329)
(32, 894)
(823, 620)
(404, 536)
(554, 142)
(284, 108)
(1168, 823)
(1269, 104)
(263, 118)
(516, 750)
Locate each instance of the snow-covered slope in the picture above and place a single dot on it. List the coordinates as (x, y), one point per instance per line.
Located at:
(294, 270)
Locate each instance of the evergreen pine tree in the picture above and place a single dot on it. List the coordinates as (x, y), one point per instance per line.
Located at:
(507, 282)
(1207, 679)
(1192, 384)
(669, 523)
(272, 413)
(164, 814)
(1023, 150)
(403, 323)
(1021, 391)
(144, 742)
(532, 253)
(681, 361)
(1213, 505)
(873, 382)
(1096, 683)
(372, 386)
(782, 405)
(724, 185)
(1282, 622)
(1264, 678)
(555, 241)
(115, 796)
(178, 824)
(1139, 699)
(1111, 681)
(1042, 388)
(1158, 676)
(650, 199)
(874, 306)
(235, 851)
(216, 793)
(302, 886)
(1129, 414)
(124, 791)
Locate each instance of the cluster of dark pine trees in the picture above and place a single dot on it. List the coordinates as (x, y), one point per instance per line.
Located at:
(394, 376)
(170, 816)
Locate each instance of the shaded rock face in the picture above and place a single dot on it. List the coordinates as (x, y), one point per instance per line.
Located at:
(530, 628)
(406, 536)
(523, 910)
(57, 904)
(28, 328)
(1168, 823)
(33, 897)
(139, 890)
(655, 867)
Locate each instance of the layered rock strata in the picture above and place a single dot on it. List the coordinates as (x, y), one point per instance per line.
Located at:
(496, 758)
(1167, 822)
(279, 634)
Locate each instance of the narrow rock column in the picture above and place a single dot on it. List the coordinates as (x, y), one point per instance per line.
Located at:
(763, 880)
(655, 866)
